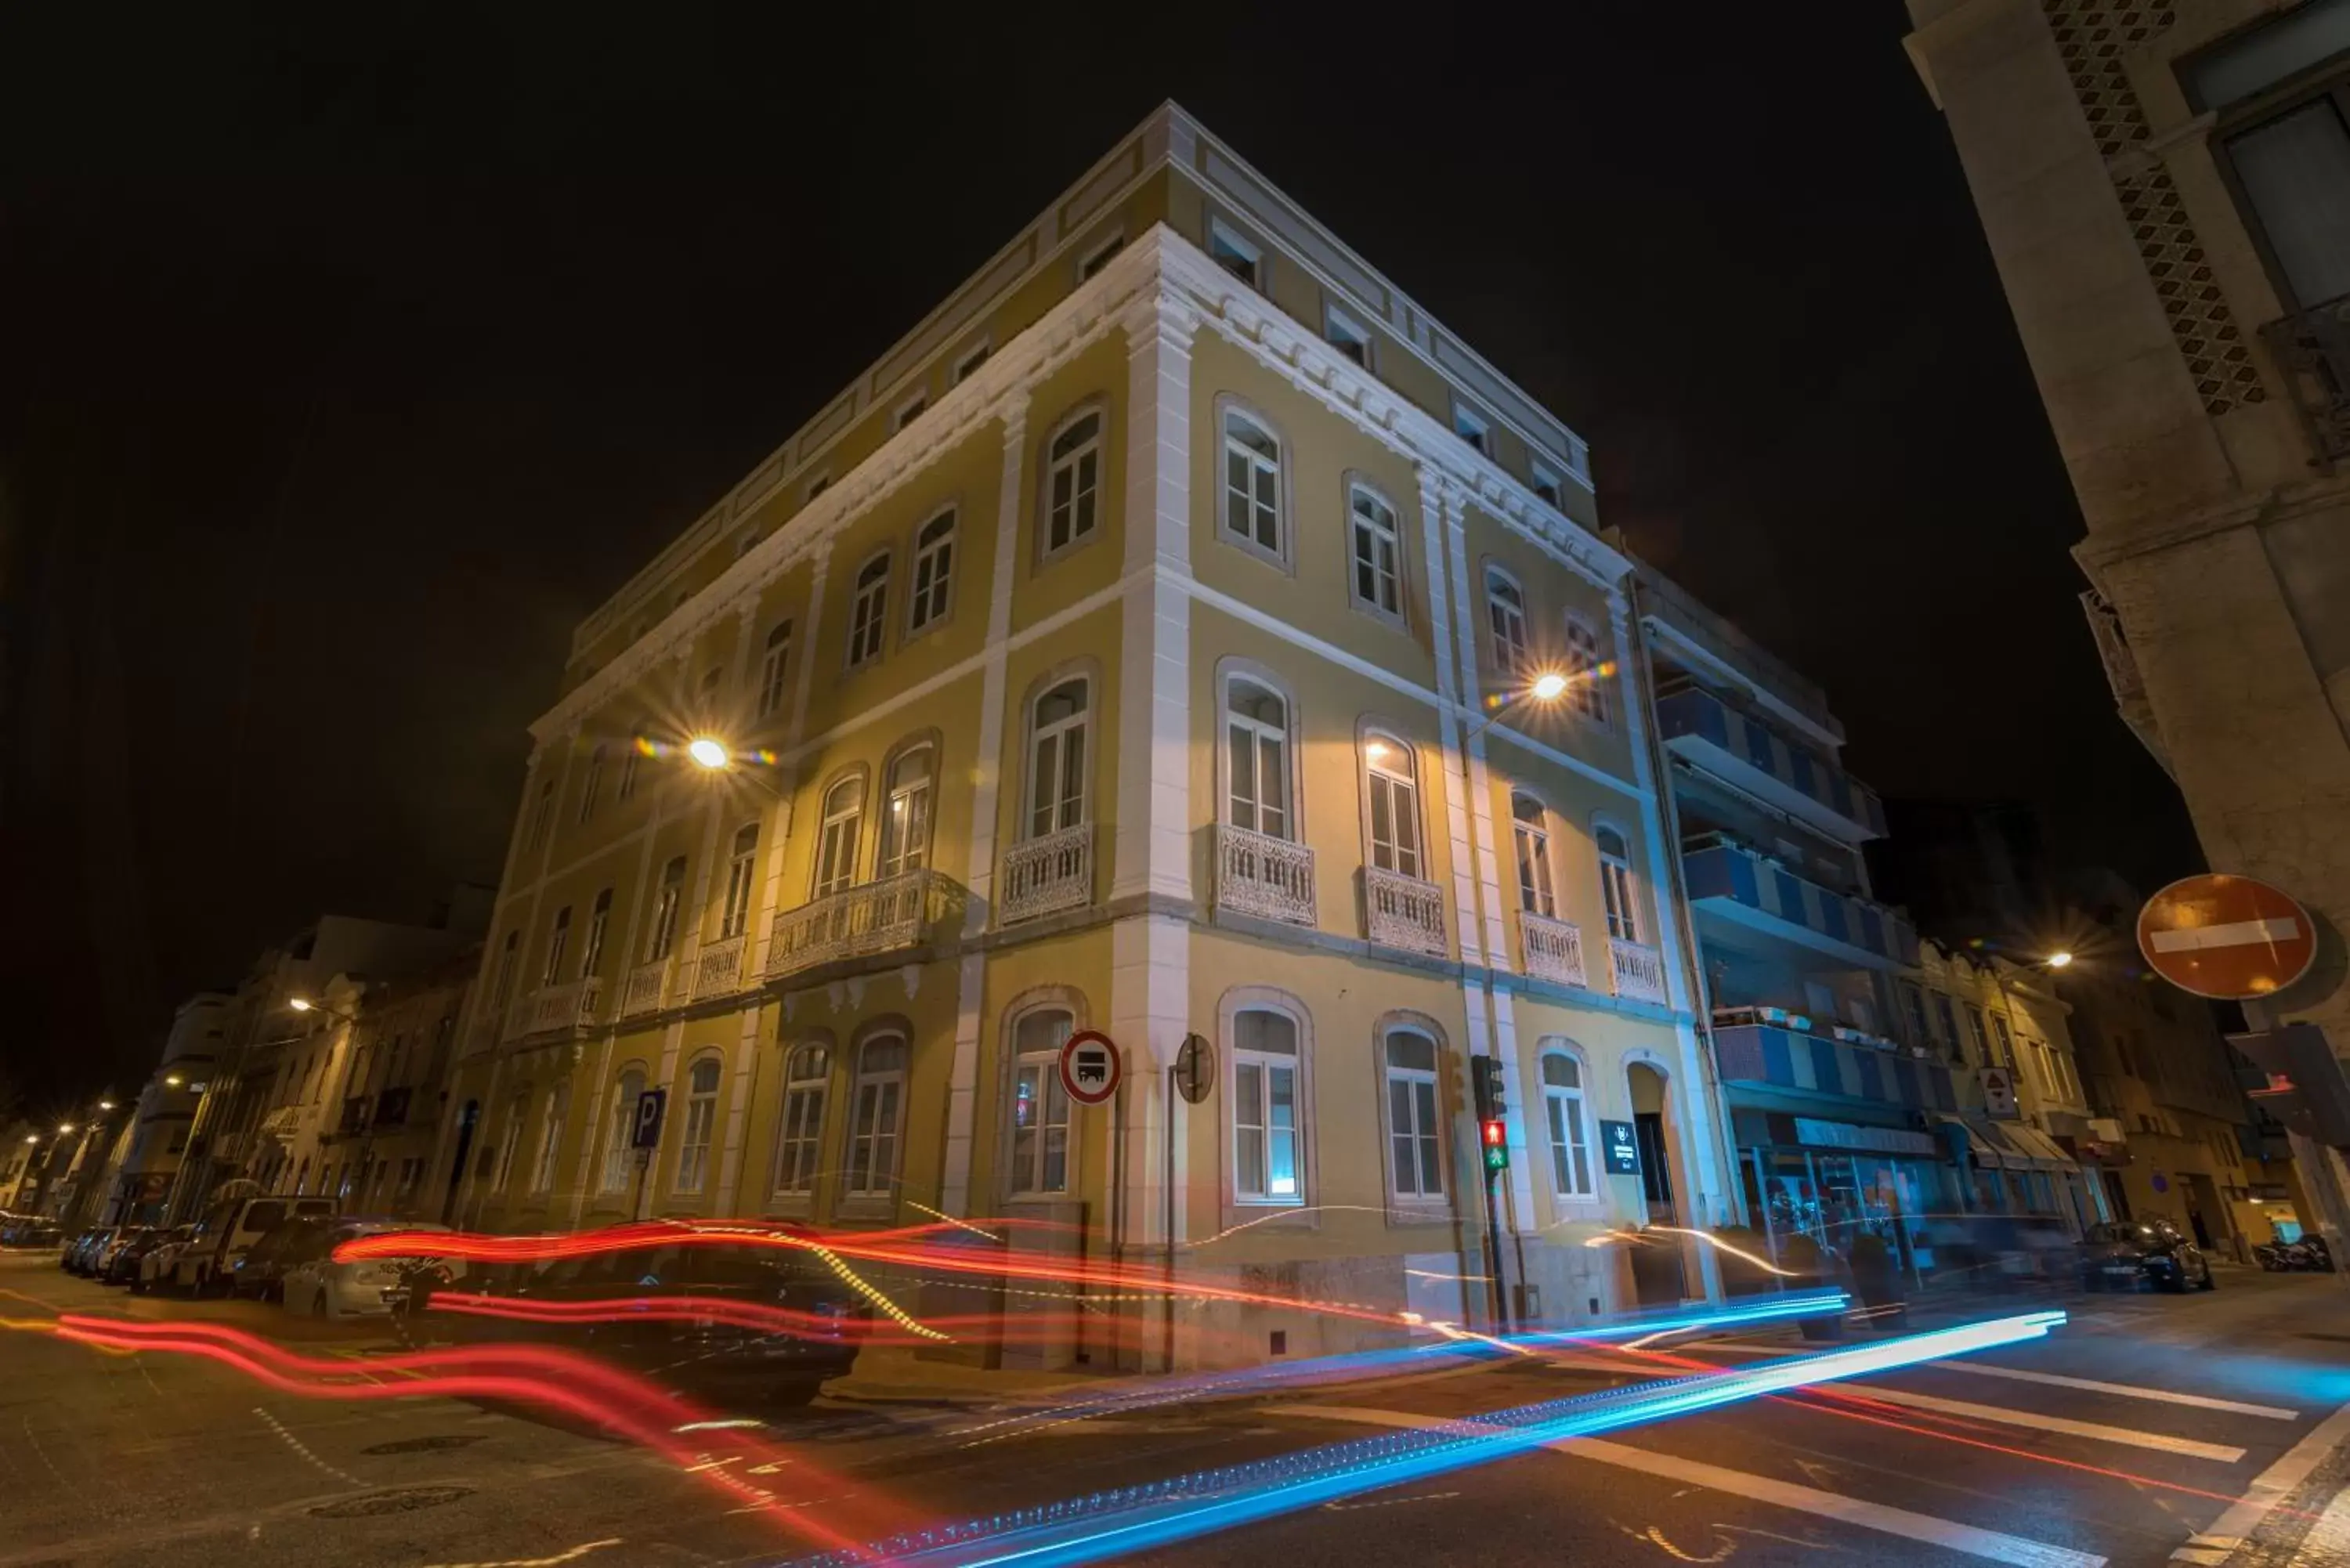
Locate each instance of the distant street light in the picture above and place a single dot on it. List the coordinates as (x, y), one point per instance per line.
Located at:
(301, 1004)
(64, 1127)
(32, 1137)
(709, 752)
(173, 1079)
(105, 1104)
(2059, 959)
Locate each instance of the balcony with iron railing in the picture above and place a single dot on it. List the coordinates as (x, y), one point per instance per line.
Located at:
(718, 968)
(1639, 971)
(1729, 881)
(1550, 949)
(1403, 913)
(877, 918)
(1736, 747)
(555, 1007)
(1799, 1062)
(1270, 878)
(647, 987)
(1045, 876)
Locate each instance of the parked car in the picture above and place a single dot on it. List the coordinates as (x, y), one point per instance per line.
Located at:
(818, 1321)
(81, 1257)
(29, 1233)
(259, 1270)
(106, 1263)
(313, 1284)
(151, 1264)
(208, 1263)
(2130, 1254)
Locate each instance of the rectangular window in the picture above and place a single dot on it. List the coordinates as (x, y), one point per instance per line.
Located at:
(933, 573)
(1040, 1105)
(1251, 484)
(1379, 555)
(801, 1141)
(1536, 892)
(772, 667)
(742, 872)
(1947, 1019)
(1505, 616)
(1413, 1130)
(1570, 1151)
(2006, 1045)
(1347, 335)
(1977, 1038)
(1393, 797)
(964, 368)
(1266, 1167)
(1473, 426)
(557, 936)
(869, 612)
(592, 785)
(874, 1116)
(818, 485)
(908, 411)
(2295, 173)
(1099, 256)
(701, 1112)
(1547, 487)
(1240, 257)
(1072, 481)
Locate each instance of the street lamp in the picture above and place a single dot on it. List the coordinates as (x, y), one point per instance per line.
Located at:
(105, 1104)
(1548, 686)
(63, 1128)
(303, 1004)
(2059, 959)
(173, 1079)
(709, 752)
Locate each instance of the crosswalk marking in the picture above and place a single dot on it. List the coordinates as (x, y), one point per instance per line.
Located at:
(1975, 1542)
(2124, 1390)
(2272, 1487)
(2188, 1447)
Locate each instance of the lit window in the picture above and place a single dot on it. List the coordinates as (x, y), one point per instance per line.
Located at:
(1251, 484)
(662, 936)
(1039, 1137)
(772, 665)
(801, 1142)
(1238, 257)
(599, 920)
(1587, 672)
(1392, 794)
(1258, 759)
(1267, 1167)
(876, 1106)
(1057, 760)
(1378, 556)
(1506, 617)
(1471, 427)
(906, 812)
(742, 875)
(592, 784)
(701, 1112)
(1073, 482)
(1530, 825)
(933, 573)
(557, 936)
(1347, 335)
(1615, 884)
(869, 611)
(1415, 1135)
(1570, 1146)
(550, 1137)
(836, 844)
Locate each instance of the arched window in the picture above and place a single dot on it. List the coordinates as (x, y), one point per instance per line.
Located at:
(1616, 883)
(592, 784)
(1378, 557)
(1537, 894)
(700, 1114)
(1037, 1144)
(742, 875)
(1251, 484)
(559, 936)
(801, 1139)
(1570, 1137)
(869, 611)
(600, 921)
(1057, 759)
(1072, 481)
(501, 985)
(630, 759)
(541, 817)
(906, 814)
(1391, 792)
(1268, 1161)
(550, 1136)
(1586, 670)
(1415, 1132)
(1257, 758)
(662, 936)
(619, 1127)
(835, 842)
(876, 1112)
(772, 665)
(1506, 617)
(933, 571)
(510, 1141)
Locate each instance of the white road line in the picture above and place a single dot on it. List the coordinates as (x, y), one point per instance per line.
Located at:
(2124, 1390)
(1974, 1541)
(2272, 1487)
(2192, 1449)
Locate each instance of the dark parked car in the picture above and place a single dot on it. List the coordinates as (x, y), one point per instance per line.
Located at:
(2130, 1254)
(120, 1265)
(260, 1270)
(790, 1322)
(80, 1255)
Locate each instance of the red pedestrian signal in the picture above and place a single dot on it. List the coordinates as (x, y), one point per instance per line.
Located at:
(1497, 1145)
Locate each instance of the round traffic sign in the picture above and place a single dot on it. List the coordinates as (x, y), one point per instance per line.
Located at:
(2227, 938)
(1090, 1067)
(1195, 1069)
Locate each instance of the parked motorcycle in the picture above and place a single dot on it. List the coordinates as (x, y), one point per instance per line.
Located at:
(2310, 1255)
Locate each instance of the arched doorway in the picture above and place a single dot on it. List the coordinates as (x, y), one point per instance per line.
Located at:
(1659, 1275)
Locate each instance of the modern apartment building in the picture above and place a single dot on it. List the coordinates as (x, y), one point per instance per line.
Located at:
(1142, 644)
(2166, 189)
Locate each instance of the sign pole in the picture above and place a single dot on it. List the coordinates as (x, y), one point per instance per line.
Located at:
(1494, 1246)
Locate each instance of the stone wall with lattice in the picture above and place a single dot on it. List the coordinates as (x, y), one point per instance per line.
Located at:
(2092, 37)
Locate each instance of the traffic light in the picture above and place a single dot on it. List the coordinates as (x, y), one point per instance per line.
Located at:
(1486, 1081)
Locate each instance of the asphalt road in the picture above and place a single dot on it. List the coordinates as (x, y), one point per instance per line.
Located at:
(2128, 1437)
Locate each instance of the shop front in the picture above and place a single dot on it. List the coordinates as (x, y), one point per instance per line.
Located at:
(1816, 1186)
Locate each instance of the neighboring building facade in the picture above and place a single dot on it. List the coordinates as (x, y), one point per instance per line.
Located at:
(2166, 189)
(165, 1115)
(1127, 650)
(376, 1152)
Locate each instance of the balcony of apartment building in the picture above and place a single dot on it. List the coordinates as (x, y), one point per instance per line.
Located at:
(1047, 875)
(552, 1008)
(1748, 755)
(1739, 888)
(1775, 1048)
(889, 915)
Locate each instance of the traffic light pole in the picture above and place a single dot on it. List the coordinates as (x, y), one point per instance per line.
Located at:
(1494, 1246)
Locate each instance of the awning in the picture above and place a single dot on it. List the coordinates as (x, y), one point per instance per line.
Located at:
(2040, 1150)
(2008, 1146)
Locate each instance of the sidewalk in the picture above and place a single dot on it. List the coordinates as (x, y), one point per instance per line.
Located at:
(896, 1375)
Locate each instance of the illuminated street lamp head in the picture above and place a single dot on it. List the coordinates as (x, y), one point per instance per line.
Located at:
(173, 1079)
(105, 1104)
(32, 1137)
(64, 1127)
(300, 1004)
(2059, 959)
(1548, 685)
(708, 752)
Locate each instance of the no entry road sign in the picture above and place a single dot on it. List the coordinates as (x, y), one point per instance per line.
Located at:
(2228, 937)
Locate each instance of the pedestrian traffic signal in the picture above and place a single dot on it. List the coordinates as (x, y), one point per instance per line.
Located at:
(1497, 1145)
(1485, 1081)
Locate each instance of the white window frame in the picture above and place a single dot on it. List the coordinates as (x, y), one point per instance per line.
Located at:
(631, 760)
(1264, 1065)
(1390, 769)
(1258, 734)
(1339, 329)
(774, 665)
(1547, 478)
(509, 1145)
(1039, 1065)
(1058, 810)
(881, 1173)
(1090, 264)
(550, 1136)
(696, 1128)
(910, 410)
(968, 362)
(600, 925)
(799, 1130)
(908, 811)
(1586, 670)
(869, 612)
(1232, 445)
(1224, 236)
(502, 984)
(558, 938)
(1505, 624)
(1529, 846)
(1474, 428)
(1428, 1139)
(592, 784)
(929, 596)
(741, 880)
(542, 818)
(1619, 894)
(1074, 463)
(661, 933)
(1567, 1111)
(834, 870)
(1387, 575)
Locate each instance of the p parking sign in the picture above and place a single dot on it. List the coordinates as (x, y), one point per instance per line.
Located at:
(645, 1131)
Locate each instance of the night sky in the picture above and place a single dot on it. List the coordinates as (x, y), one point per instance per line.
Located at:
(341, 371)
